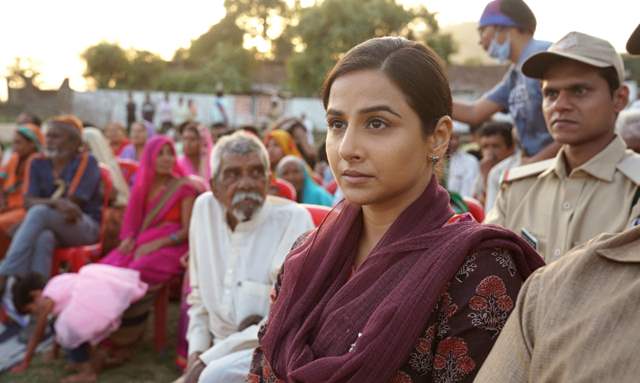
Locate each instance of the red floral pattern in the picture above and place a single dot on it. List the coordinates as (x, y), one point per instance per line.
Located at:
(452, 361)
(491, 305)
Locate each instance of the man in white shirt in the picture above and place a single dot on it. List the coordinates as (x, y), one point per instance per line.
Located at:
(463, 169)
(239, 238)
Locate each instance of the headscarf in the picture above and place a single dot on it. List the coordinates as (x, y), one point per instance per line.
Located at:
(331, 325)
(311, 192)
(285, 141)
(101, 150)
(135, 213)
(71, 120)
(32, 133)
(206, 145)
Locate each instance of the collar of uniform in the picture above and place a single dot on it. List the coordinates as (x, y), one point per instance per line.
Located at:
(622, 247)
(602, 165)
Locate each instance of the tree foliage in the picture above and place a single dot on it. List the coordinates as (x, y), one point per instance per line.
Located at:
(309, 40)
(107, 64)
(332, 27)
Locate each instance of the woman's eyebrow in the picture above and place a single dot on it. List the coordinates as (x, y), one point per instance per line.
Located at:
(334, 112)
(379, 108)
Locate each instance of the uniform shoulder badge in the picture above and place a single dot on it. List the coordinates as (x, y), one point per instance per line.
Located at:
(526, 171)
(630, 167)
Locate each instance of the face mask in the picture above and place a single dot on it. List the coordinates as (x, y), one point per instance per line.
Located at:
(498, 51)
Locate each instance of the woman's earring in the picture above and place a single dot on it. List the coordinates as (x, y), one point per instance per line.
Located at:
(435, 159)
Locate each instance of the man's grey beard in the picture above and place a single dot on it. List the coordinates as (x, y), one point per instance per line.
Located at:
(240, 214)
(52, 153)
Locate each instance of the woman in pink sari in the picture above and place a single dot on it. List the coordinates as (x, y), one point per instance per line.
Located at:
(197, 145)
(156, 224)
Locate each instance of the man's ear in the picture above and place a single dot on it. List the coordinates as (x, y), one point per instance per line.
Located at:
(621, 98)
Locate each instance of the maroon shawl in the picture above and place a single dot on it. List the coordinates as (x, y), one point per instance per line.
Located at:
(321, 312)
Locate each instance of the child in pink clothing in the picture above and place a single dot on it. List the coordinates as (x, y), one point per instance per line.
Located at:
(87, 306)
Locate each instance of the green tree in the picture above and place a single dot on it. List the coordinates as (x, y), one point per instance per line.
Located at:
(328, 29)
(107, 64)
(144, 68)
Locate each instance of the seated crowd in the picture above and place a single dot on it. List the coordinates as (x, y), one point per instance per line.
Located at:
(365, 261)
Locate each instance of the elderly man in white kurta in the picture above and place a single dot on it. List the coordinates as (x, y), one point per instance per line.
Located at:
(239, 238)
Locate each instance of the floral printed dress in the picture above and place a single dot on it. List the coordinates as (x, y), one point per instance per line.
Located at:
(462, 329)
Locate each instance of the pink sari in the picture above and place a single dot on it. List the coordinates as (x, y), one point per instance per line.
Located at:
(147, 220)
(206, 145)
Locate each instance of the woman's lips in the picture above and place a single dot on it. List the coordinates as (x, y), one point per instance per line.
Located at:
(355, 177)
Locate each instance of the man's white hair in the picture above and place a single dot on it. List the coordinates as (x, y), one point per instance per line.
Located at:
(241, 143)
(628, 123)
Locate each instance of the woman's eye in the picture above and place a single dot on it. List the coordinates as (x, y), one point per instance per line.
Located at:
(376, 123)
(336, 124)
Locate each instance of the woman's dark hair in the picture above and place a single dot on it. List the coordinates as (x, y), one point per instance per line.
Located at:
(192, 126)
(22, 288)
(496, 128)
(415, 68)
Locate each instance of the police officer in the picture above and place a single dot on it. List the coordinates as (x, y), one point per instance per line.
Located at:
(592, 185)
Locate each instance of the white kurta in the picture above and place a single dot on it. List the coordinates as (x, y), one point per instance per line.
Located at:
(232, 272)
(464, 169)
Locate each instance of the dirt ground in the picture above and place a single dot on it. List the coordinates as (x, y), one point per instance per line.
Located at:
(146, 366)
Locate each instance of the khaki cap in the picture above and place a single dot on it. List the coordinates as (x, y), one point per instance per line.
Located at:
(579, 47)
(633, 45)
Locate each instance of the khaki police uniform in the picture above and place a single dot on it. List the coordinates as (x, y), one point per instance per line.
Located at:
(556, 211)
(575, 320)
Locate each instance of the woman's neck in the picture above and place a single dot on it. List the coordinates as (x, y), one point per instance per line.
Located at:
(378, 218)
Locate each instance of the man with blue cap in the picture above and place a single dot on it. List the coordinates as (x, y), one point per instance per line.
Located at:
(506, 30)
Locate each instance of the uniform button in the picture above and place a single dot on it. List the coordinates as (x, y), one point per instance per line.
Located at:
(556, 252)
(566, 206)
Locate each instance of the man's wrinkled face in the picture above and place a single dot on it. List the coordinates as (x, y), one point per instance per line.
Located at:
(241, 184)
(60, 142)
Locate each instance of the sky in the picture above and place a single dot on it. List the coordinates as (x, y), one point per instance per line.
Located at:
(53, 34)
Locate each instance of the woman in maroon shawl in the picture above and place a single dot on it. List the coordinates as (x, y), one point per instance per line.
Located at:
(391, 287)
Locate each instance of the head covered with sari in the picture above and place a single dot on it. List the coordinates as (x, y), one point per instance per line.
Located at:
(101, 150)
(311, 192)
(332, 324)
(138, 207)
(284, 140)
(206, 146)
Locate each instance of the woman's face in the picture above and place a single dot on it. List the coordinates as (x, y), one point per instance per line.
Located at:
(190, 142)
(292, 172)
(275, 152)
(22, 146)
(138, 134)
(165, 161)
(375, 143)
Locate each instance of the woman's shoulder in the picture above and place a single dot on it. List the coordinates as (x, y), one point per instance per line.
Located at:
(194, 183)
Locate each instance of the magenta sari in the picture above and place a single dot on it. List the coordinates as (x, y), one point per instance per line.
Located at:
(148, 220)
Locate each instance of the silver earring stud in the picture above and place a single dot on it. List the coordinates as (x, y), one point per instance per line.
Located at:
(435, 159)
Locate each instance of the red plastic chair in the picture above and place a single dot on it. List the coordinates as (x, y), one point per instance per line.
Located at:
(128, 169)
(76, 257)
(318, 212)
(475, 208)
(285, 189)
(332, 187)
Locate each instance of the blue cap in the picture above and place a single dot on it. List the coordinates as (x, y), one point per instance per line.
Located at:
(492, 15)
